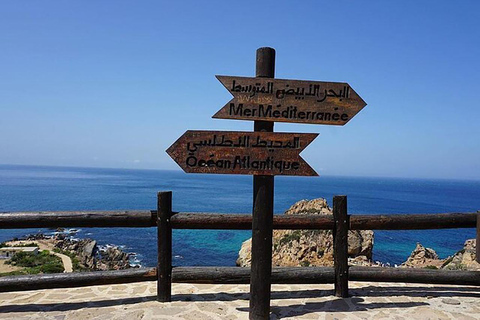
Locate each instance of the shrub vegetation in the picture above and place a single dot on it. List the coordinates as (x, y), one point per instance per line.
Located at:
(43, 262)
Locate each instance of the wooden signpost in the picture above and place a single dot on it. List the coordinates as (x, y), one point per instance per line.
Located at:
(263, 153)
(267, 99)
(234, 152)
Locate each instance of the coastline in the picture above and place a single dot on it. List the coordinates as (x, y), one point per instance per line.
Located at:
(73, 261)
(68, 189)
(76, 254)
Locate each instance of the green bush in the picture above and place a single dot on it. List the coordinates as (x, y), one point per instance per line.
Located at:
(295, 235)
(13, 273)
(77, 266)
(52, 267)
(305, 263)
(43, 262)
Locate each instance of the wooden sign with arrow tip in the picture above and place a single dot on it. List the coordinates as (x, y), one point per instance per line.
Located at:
(316, 102)
(234, 152)
(263, 153)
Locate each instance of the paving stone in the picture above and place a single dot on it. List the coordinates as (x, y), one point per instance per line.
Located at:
(204, 301)
(451, 301)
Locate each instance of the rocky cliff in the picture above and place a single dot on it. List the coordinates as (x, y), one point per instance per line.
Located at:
(422, 257)
(89, 255)
(464, 259)
(311, 247)
(93, 258)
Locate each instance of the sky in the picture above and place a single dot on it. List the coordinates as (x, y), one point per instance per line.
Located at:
(114, 83)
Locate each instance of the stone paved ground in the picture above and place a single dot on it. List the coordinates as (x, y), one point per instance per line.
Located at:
(196, 302)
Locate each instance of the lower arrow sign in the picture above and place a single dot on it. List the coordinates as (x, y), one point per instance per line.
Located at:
(234, 152)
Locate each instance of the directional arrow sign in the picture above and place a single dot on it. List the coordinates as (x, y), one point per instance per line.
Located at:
(234, 152)
(333, 103)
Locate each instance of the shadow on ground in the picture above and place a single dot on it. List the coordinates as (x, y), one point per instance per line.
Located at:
(377, 291)
(355, 303)
(336, 305)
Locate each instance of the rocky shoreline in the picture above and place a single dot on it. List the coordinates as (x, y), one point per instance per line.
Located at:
(464, 259)
(292, 248)
(87, 253)
(315, 247)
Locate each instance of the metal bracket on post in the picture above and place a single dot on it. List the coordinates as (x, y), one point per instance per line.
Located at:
(164, 228)
(340, 245)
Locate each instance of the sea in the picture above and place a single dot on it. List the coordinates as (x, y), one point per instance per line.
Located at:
(41, 188)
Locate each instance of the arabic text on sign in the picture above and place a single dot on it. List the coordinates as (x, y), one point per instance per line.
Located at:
(314, 91)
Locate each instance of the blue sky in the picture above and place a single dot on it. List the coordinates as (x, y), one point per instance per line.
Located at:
(115, 83)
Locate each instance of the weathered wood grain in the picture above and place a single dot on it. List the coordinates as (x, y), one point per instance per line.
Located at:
(236, 152)
(340, 245)
(237, 275)
(413, 221)
(76, 279)
(244, 221)
(262, 214)
(199, 220)
(100, 219)
(408, 275)
(280, 100)
(164, 245)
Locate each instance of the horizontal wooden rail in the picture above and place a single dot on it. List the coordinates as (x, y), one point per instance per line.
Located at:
(357, 222)
(409, 275)
(55, 219)
(237, 275)
(244, 221)
(189, 220)
(76, 279)
(413, 221)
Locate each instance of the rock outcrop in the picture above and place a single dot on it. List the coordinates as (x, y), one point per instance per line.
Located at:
(464, 259)
(311, 247)
(93, 258)
(422, 257)
(89, 255)
(113, 258)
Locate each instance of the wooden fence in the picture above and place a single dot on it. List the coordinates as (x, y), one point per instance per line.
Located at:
(165, 220)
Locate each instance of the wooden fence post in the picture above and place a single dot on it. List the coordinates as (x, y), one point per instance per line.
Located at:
(340, 245)
(164, 236)
(262, 215)
(478, 236)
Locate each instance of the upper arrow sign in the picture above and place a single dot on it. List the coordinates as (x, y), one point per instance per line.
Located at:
(234, 152)
(333, 103)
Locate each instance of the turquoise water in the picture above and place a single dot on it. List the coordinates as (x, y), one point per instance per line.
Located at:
(28, 188)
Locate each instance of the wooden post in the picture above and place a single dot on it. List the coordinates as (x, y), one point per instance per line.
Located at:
(262, 221)
(340, 245)
(164, 265)
(478, 236)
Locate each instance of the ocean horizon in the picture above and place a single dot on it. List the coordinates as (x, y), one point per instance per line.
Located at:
(52, 188)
